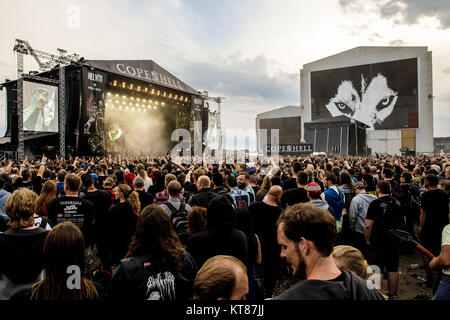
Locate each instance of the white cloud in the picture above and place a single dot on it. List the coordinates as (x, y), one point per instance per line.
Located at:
(248, 51)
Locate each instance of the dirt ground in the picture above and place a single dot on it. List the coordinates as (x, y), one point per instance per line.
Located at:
(411, 279)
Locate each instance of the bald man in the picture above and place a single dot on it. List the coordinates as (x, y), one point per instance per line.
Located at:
(204, 195)
(265, 215)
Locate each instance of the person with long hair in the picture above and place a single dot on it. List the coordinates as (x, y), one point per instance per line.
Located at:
(48, 193)
(156, 266)
(63, 249)
(122, 218)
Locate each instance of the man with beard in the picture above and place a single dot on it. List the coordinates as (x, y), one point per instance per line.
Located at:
(307, 235)
(243, 184)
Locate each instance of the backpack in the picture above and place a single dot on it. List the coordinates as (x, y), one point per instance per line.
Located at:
(179, 220)
(393, 218)
(408, 197)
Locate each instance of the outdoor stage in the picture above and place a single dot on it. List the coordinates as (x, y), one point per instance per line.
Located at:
(100, 107)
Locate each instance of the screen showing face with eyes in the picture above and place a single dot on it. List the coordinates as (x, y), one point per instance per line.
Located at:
(381, 95)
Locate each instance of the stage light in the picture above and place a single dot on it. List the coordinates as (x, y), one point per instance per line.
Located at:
(126, 108)
(149, 106)
(132, 109)
(109, 100)
(108, 93)
(131, 103)
(120, 107)
(115, 83)
(156, 102)
(145, 110)
(154, 107)
(162, 103)
(153, 91)
(117, 101)
(157, 93)
(123, 84)
(176, 97)
(132, 98)
(131, 86)
(137, 104)
(144, 100)
(138, 88)
(123, 102)
(138, 99)
(146, 89)
(185, 100)
(124, 97)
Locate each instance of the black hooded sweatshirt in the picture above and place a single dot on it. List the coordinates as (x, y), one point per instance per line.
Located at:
(21, 258)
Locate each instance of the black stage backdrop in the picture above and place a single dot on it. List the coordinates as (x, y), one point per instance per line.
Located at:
(92, 138)
(381, 95)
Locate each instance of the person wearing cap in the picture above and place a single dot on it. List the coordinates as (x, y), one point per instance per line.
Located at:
(313, 190)
(357, 216)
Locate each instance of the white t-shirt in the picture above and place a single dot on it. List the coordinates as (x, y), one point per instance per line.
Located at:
(446, 242)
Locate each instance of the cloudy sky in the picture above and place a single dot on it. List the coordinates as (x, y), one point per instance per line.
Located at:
(249, 51)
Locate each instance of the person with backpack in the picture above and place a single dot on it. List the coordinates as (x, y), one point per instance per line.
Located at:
(410, 201)
(383, 248)
(240, 198)
(177, 210)
(335, 199)
(204, 195)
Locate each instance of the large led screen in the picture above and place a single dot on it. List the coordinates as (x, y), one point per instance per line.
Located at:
(40, 107)
(381, 95)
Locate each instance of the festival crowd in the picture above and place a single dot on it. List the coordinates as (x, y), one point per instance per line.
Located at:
(154, 229)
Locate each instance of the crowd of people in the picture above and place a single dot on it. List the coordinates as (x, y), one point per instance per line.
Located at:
(154, 229)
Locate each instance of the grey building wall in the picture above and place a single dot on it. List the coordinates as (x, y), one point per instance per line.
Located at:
(382, 141)
(284, 112)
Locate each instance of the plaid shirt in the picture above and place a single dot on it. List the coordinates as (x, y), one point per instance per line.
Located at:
(163, 196)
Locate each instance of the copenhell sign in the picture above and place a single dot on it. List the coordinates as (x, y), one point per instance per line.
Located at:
(286, 149)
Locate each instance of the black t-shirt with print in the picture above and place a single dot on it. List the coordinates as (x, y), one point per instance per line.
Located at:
(74, 209)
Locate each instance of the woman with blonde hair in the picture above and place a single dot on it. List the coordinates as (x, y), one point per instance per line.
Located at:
(351, 259)
(140, 170)
(48, 193)
(122, 221)
(21, 246)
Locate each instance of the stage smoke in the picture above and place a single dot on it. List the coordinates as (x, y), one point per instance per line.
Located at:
(140, 133)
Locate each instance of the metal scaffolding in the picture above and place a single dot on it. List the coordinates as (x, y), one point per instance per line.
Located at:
(51, 62)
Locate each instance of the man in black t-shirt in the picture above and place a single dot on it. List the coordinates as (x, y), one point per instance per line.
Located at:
(296, 195)
(73, 208)
(433, 214)
(265, 215)
(145, 198)
(383, 248)
(307, 235)
(101, 200)
(291, 183)
(434, 217)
